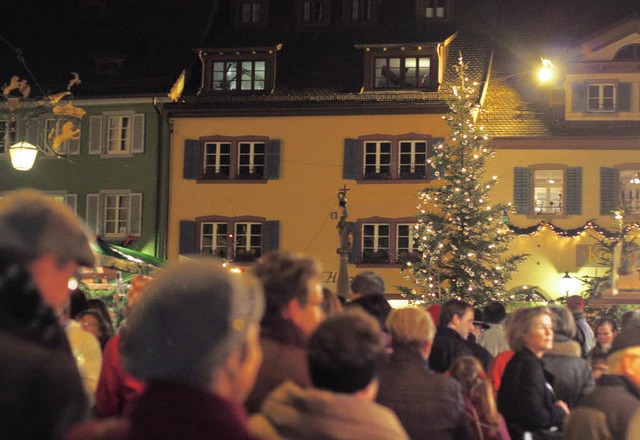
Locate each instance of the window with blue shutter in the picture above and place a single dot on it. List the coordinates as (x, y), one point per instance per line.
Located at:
(352, 159)
(187, 243)
(273, 158)
(191, 169)
(578, 97)
(608, 190)
(522, 190)
(573, 199)
(119, 133)
(271, 239)
(624, 97)
(222, 159)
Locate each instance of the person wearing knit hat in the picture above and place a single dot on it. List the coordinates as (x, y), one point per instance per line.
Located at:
(194, 338)
(616, 397)
(42, 245)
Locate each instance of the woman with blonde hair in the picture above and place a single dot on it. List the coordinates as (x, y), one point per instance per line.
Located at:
(526, 398)
(480, 406)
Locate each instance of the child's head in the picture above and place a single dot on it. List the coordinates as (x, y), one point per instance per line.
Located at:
(469, 372)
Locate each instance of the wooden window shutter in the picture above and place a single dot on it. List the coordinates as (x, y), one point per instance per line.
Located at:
(192, 150)
(187, 237)
(522, 190)
(352, 159)
(71, 200)
(271, 238)
(431, 152)
(137, 139)
(135, 214)
(354, 254)
(32, 134)
(95, 134)
(273, 158)
(573, 187)
(578, 97)
(93, 213)
(608, 190)
(624, 97)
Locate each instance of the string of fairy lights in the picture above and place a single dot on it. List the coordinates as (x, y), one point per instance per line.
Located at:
(590, 225)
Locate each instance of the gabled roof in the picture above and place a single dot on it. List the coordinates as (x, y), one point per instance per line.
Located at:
(323, 66)
(610, 35)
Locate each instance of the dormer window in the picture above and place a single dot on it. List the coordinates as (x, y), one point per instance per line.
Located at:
(399, 67)
(252, 12)
(430, 10)
(360, 11)
(238, 70)
(314, 11)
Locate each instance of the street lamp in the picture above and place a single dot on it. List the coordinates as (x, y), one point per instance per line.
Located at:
(23, 155)
(546, 72)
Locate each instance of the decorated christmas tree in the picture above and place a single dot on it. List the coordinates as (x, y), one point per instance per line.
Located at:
(462, 239)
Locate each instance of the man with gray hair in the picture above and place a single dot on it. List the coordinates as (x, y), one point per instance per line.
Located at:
(194, 339)
(429, 405)
(42, 246)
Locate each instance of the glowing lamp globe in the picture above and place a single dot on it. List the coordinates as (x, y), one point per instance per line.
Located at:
(23, 155)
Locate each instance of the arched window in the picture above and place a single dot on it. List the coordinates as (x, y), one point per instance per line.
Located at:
(628, 52)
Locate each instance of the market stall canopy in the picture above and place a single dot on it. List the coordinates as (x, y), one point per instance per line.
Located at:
(125, 259)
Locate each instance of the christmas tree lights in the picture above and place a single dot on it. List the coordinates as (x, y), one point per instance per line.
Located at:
(461, 237)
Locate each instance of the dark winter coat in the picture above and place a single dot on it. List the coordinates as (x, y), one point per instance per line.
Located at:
(525, 398)
(429, 405)
(618, 398)
(168, 411)
(448, 345)
(41, 394)
(572, 376)
(284, 358)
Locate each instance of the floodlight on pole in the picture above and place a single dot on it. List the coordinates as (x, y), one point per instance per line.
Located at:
(546, 72)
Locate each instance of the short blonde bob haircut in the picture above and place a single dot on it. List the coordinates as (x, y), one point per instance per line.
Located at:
(521, 323)
(411, 326)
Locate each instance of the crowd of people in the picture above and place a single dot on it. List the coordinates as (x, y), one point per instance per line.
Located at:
(272, 354)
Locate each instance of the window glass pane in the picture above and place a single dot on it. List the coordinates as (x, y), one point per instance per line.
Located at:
(548, 188)
(118, 134)
(629, 184)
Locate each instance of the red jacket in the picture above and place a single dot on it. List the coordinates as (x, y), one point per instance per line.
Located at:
(116, 388)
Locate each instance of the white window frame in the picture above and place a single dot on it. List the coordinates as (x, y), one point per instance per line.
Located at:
(252, 157)
(213, 161)
(410, 229)
(377, 237)
(219, 240)
(413, 163)
(247, 238)
(545, 183)
(96, 214)
(402, 71)
(225, 68)
(629, 190)
(600, 98)
(101, 137)
(119, 135)
(377, 153)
